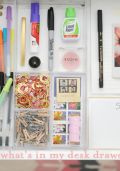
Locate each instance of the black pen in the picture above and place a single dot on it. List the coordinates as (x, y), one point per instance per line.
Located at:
(100, 47)
(51, 37)
(1, 61)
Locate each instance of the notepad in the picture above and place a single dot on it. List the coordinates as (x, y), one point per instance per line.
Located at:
(104, 123)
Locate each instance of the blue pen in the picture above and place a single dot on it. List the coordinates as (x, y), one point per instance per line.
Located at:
(9, 21)
(5, 49)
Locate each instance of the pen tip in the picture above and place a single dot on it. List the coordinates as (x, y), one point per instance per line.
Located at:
(101, 84)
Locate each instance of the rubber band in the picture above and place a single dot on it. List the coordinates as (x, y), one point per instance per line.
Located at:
(32, 91)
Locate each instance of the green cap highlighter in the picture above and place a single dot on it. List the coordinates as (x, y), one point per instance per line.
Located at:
(5, 90)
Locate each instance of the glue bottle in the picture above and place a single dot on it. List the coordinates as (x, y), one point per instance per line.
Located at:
(71, 30)
(35, 25)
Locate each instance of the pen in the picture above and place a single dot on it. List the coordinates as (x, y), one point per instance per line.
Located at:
(1, 62)
(51, 38)
(10, 42)
(5, 48)
(9, 20)
(12, 74)
(2, 36)
(100, 47)
(3, 97)
(5, 91)
(12, 37)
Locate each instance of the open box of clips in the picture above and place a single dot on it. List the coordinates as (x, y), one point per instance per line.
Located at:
(43, 72)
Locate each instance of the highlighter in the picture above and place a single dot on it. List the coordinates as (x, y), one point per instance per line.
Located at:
(5, 91)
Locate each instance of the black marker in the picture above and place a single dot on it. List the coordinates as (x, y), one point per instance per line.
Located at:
(100, 47)
(51, 37)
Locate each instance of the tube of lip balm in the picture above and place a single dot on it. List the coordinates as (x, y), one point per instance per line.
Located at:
(74, 129)
(35, 25)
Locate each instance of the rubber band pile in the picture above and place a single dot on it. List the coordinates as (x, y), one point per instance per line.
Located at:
(32, 91)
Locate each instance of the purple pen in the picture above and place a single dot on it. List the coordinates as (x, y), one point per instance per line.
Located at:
(9, 16)
(9, 22)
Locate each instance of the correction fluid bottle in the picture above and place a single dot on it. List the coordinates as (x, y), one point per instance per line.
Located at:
(71, 30)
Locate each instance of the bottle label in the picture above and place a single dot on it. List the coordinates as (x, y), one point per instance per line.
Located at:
(70, 29)
(34, 37)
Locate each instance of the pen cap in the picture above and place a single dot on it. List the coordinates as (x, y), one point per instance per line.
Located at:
(35, 17)
(70, 12)
(9, 13)
(8, 85)
(51, 19)
(5, 34)
(100, 27)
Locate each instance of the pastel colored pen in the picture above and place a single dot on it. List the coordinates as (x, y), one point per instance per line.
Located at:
(35, 25)
(12, 74)
(5, 91)
(10, 101)
(5, 47)
(3, 97)
(9, 113)
(1, 61)
(12, 41)
(9, 21)
(51, 38)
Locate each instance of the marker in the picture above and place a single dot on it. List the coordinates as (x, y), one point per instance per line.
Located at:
(5, 90)
(12, 73)
(100, 47)
(51, 37)
(9, 123)
(5, 47)
(10, 45)
(12, 41)
(9, 20)
(3, 97)
(35, 25)
(1, 62)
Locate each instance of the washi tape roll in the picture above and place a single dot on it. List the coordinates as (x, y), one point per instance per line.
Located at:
(74, 129)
